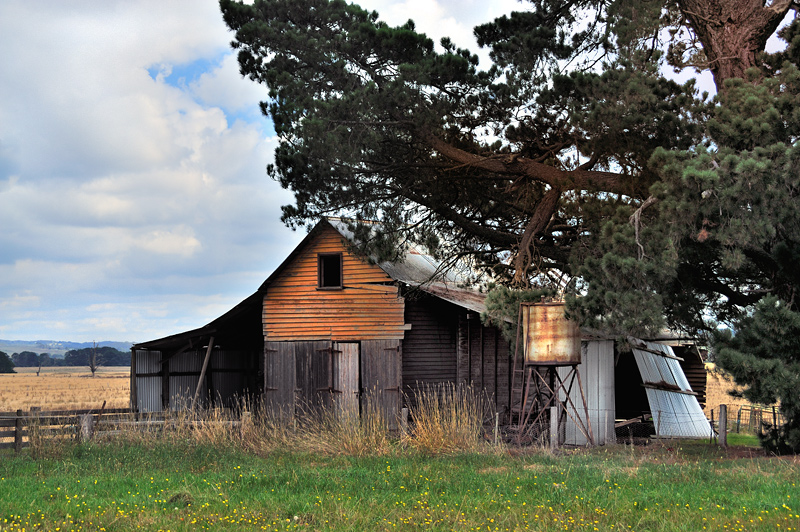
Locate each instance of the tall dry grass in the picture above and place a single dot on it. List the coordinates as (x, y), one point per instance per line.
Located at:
(448, 418)
(444, 419)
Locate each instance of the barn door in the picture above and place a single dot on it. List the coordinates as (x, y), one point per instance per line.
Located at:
(345, 379)
(279, 377)
(382, 376)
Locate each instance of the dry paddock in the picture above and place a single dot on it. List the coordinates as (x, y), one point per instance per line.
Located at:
(64, 388)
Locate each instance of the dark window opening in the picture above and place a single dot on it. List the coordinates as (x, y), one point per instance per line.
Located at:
(330, 270)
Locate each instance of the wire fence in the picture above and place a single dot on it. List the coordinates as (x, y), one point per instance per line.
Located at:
(750, 419)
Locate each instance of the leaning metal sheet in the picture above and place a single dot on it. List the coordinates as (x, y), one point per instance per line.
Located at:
(676, 412)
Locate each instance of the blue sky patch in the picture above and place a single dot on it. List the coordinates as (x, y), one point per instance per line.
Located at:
(183, 75)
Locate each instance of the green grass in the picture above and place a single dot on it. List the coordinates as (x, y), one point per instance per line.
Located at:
(196, 486)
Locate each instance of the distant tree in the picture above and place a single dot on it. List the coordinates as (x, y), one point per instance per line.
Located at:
(25, 359)
(6, 364)
(94, 359)
(45, 359)
(106, 356)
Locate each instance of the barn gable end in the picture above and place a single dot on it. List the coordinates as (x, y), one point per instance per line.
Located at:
(367, 306)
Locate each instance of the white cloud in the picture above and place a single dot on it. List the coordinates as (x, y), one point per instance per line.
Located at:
(134, 204)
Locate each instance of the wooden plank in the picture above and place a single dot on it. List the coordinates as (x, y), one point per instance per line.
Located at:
(279, 377)
(382, 376)
(345, 379)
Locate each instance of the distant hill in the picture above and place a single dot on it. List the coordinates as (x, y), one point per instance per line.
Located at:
(55, 348)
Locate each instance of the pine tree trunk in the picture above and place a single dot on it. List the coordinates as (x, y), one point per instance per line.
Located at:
(733, 32)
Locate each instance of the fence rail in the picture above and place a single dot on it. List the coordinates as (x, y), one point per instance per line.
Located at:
(17, 428)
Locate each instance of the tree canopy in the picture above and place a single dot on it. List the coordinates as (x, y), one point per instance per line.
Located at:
(6, 365)
(573, 161)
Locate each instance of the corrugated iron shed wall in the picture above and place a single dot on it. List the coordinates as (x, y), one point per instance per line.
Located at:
(148, 381)
(597, 377)
(369, 306)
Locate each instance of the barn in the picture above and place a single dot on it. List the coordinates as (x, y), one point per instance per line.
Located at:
(328, 326)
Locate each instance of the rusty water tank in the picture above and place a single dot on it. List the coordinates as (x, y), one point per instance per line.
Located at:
(550, 338)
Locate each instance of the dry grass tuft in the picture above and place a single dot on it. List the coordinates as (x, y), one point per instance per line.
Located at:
(448, 418)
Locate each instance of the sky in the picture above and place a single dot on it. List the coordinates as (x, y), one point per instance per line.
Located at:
(134, 202)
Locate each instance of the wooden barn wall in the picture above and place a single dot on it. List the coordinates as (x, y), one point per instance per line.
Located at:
(429, 348)
(695, 370)
(369, 306)
(382, 377)
(302, 375)
(483, 359)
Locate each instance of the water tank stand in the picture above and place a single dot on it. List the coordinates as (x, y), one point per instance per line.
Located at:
(543, 387)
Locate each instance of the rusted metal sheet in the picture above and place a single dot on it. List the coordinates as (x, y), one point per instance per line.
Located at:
(550, 338)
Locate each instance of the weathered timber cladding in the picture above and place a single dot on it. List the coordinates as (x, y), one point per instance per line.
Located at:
(429, 349)
(695, 370)
(382, 376)
(483, 359)
(314, 374)
(368, 307)
(279, 377)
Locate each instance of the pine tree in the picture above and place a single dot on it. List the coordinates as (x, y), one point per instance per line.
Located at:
(571, 157)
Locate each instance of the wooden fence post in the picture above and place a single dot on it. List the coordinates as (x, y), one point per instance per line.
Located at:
(554, 428)
(496, 426)
(403, 424)
(18, 431)
(86, 427)
(723, 425)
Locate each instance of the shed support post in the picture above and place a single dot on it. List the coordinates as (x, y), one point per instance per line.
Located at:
(723, 425)
(203, 371)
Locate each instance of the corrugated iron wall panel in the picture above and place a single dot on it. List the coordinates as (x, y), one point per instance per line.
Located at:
(229, 376)
(181, 391)
(148, 389)
(676, 412)
(148, 361)
(367, 307)
(188, 361)
(148, 397)
(597, 377)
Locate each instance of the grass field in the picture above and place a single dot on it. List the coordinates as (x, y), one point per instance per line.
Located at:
(64, 388)
(668, 486)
